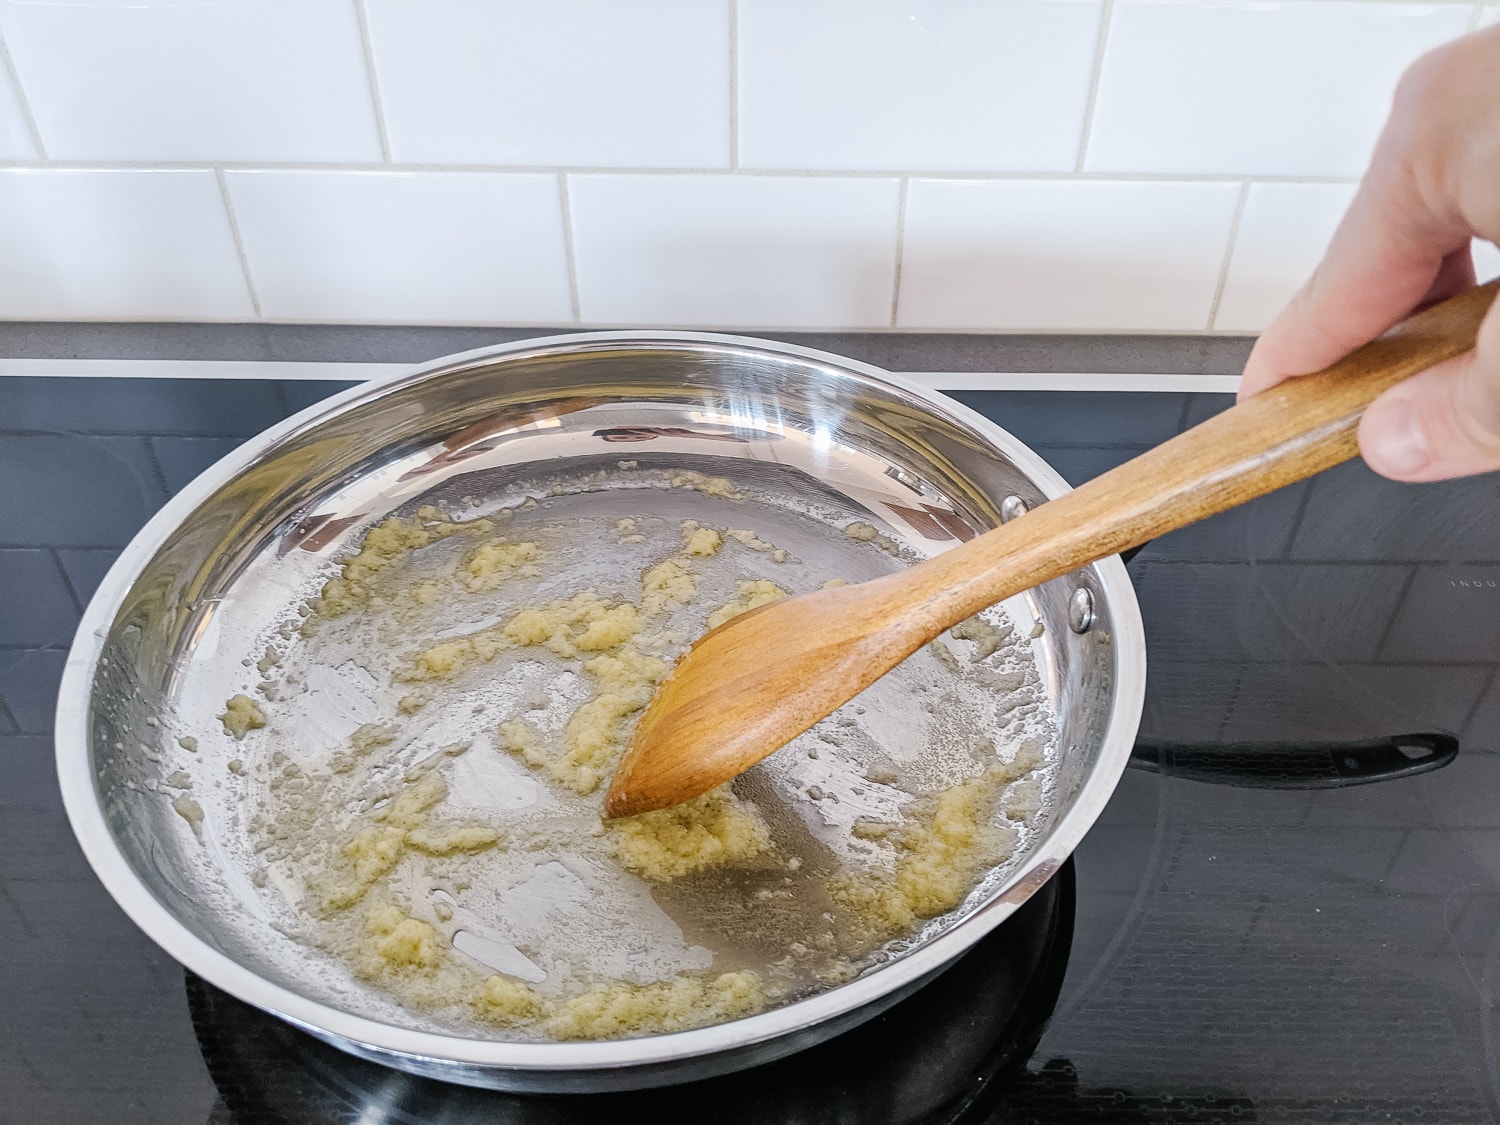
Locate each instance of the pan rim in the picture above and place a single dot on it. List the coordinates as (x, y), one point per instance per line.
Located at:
(83, 804)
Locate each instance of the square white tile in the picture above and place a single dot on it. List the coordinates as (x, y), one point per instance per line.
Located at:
(15, 136)
(1486, 260)
(261, 80)
(735, 251)
(1282, 235)
(1058, 255)
(1270, 87)
(117, 245)
(915, 85)
(456, 247)
(583, 83)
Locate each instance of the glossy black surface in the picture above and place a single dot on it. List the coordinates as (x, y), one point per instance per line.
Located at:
(1240, 953)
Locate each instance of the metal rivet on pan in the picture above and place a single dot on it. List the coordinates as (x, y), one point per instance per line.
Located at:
(1081, 610)
(1011, 507)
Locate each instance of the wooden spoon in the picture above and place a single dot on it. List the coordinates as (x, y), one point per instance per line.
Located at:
(760, 679)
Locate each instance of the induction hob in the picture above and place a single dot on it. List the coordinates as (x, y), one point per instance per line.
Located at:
(1276, 919)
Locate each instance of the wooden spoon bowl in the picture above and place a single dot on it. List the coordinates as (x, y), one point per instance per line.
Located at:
(759, 680)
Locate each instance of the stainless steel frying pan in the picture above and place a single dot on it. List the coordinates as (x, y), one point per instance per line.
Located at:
(180, 618)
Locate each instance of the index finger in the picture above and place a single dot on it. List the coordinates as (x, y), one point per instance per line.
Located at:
(1400, 240)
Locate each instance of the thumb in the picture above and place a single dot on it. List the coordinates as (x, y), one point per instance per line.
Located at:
(1443, 422)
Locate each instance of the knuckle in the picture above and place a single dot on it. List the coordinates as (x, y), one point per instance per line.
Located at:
(1427, 82)
(1415, 88)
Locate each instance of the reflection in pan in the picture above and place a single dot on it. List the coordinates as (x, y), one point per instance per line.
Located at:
(1054, 1095)
(618, 434)
(943, 1055)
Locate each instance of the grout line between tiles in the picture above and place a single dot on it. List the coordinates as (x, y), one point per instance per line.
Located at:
(574, 301)
(1227, 716)
(167, 491)
(78, 603)
(1455, 915)
(1234, 234)
(1491, 684)
(537, 326)
(1247, 939)
(1395, 855)
(38, 1079)
(1288, 553)
(1184, 414)
(239, 242)
(1474, 17)
(8, 66)
(1106, 13)
(900, 251)
(1390, 625)
(734, 84)
(769, 173)
(362, 17)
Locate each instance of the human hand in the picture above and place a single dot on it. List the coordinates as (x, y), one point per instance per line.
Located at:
(1432, 186)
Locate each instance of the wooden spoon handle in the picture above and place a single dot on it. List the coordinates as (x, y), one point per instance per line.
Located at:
(1295, 429)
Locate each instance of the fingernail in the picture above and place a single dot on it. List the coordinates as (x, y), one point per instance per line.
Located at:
(1392, 440)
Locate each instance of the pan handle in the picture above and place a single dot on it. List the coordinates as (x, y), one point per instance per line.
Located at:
(1287, 765)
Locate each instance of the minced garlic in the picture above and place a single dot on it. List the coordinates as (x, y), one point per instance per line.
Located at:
(708, 831)
(752, 595)
(241, 716)
(620, 1008)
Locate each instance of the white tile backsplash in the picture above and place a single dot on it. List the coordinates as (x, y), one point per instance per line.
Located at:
(15, 134)
(242, 80)
(404, 246)
(1283, 232)
(1486, 260)
(928, 84)
(1043, 165)
(1063, 255)
(117, 245)
(742, 251)
(1255, 87)
(609, 83)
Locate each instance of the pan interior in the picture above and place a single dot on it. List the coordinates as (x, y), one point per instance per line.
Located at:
(558, 451)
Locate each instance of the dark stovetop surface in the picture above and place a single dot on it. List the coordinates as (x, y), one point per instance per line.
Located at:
(1239, 951)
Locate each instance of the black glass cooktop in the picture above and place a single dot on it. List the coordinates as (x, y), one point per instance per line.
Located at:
(1289, 912)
